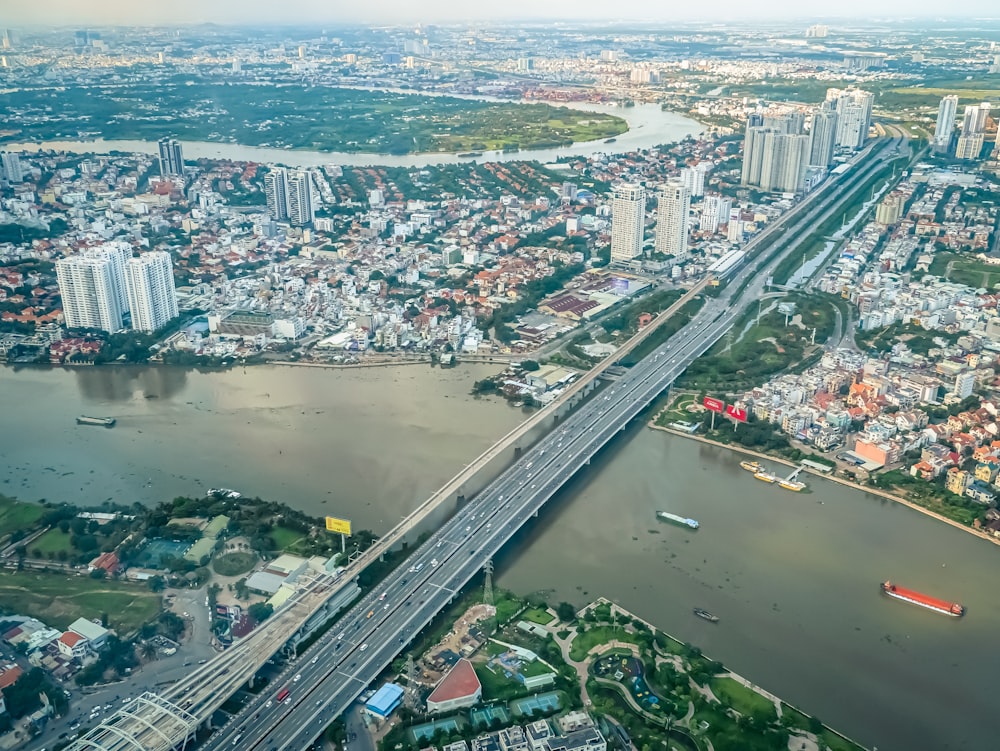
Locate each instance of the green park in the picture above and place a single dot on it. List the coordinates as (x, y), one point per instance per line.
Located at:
(302, 117)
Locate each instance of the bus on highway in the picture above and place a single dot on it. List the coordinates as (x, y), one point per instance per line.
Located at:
(282, 695)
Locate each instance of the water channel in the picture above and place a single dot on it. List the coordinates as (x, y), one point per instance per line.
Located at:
(793, 577)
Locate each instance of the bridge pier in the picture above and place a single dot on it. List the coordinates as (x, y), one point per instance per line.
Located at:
(517, 452)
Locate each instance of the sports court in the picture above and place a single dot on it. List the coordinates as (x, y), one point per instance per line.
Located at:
(541, 703)
(426, 731)
(483, 716)
(156, 551)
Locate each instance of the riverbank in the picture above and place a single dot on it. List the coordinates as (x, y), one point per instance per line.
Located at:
(840, 480)
(648, 127)
(674, 652)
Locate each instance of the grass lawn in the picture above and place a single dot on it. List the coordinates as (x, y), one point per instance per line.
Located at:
(744, 700)
(836, 743)
(538, 615)
(507, 606)
(15, 515)
(234, 564)
(496, 686)
(531, 669)
(58, 600)
(671, 645)
(284, 537)
(586, 641)
(965, 270)
(51, 542)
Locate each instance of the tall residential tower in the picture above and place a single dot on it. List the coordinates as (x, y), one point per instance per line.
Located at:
(628, 220)
(672, 208)
(151, 294)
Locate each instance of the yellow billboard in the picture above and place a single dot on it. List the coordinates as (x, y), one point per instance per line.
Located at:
(340, 526)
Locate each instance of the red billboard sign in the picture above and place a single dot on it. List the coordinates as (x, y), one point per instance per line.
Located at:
(735, 412)
(712, 404)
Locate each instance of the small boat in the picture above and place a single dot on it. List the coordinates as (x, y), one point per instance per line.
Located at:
(667, 517)
(107, 422)
(610, 140)
(765, 476)
(752, 466)
(702, 613)
(794, 485)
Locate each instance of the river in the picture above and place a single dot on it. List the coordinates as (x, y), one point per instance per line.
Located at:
(793, 577)
(649, 126)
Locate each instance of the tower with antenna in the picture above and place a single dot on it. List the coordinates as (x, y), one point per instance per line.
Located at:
(488, 583)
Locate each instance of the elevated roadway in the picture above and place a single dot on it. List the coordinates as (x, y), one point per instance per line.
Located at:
(332, 673)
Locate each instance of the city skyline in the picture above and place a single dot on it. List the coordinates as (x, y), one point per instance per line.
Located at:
(395, 11)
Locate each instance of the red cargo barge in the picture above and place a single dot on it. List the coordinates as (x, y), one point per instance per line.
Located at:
(931, 603)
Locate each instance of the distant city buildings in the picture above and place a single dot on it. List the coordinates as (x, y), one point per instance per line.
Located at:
(817, 31)
(822, 138)
(714, 213)
(11, 165)
(973, 131)
(774, 160)
(276, 193)
(673, 207)
(289, 196)
(92, 286)
(628, 213)
(100, 285)
(149, 280)
(300, 202)
(694, 178)
(854, 115)
(945, 123)
(171, 157)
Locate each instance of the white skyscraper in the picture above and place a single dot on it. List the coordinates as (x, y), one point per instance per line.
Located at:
(673, 204)
(694, 178)
(149, 280)
(628, 215)
(171, 157)
(973, 132)
(276, 193)
(854, 115)
(11, 167)
(822, 138)
(774, 161)
(300, 204)
(714, 213)
(92, 286)
(945, 123)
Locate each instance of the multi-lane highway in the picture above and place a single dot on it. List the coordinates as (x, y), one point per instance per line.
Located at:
(330, 675)
(324, 681)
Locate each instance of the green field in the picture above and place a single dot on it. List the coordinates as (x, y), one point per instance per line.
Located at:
(589, 639)
(58, 600)
(233, 564)
(15, 515)
(744, 700)
(965, 270)
(284, 537)
(303, 117)
(51, 542)
(538, 615)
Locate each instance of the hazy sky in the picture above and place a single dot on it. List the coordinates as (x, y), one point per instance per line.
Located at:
(293, 12)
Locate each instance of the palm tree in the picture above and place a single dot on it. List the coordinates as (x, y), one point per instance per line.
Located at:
(147, 650)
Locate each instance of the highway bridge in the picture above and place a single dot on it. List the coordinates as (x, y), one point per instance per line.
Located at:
(330, 675)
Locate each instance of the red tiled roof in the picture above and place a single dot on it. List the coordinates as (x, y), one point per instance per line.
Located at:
(71, 638)
(460, 682)
(9, 676)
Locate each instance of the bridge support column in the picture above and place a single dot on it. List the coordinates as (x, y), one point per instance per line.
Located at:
(517, 452)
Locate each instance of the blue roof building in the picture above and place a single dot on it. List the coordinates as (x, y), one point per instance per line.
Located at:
(385, 700)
